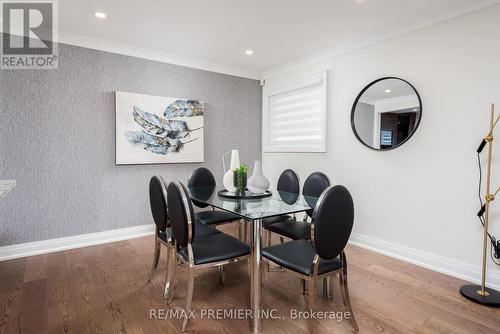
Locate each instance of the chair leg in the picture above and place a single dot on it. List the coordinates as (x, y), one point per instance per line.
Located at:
(325, 287)
(303, 281)
(222, 275)
(268, 242)
(189, 298)
(310, 304)
(345, 293)
(330, 291)
(156, 258)
(170, 277)
(245, 230)
(239, 232)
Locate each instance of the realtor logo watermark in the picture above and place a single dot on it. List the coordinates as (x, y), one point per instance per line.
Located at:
(29, 34)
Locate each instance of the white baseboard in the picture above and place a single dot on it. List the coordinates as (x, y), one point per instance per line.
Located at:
(430, 261)
(462, 270)
(77, 241)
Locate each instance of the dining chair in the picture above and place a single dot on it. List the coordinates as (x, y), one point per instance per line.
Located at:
(196, 252)
(324, 254)
(295, 229)
(288, 182)
(163, 228)
(203, 177)
(288, 185)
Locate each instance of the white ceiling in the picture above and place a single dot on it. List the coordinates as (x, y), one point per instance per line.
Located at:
(279, 31)
(397, 89)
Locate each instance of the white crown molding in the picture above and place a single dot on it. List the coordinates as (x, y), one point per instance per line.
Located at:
(77, 241)
(458, 269)
(138, 52)
(134, 51)
(408, 26)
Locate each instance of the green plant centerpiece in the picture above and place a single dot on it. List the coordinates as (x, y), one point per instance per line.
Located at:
(240, 178)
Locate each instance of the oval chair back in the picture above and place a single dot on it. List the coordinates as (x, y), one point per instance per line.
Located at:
(314, 186)
(201, 177)
(288, 182)
(181, 214)
(158, 202)
(333, 219)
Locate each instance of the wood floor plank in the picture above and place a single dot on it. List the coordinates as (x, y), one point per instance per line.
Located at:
(36, 268)
(33, 314)
(11, 278)
(106, 289)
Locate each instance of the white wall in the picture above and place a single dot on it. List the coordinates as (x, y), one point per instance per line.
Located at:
(417, 202)
(364, 118)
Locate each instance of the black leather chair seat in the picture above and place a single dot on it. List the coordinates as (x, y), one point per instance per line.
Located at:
(292, 229)
(215, 217)
(203, 230)
(298, 256)
(215, 247)
(276, 219)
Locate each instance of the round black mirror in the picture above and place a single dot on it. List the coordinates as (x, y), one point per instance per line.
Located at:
(386, 113)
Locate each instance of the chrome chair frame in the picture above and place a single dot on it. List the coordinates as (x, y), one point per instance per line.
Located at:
(157, 240)
(312, 279)
(191, 266)
(158, 243)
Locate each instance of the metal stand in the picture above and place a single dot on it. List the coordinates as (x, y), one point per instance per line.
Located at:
(480, 293)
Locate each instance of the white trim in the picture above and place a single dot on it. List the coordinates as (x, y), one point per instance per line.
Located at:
(412, 24)
(134, 51)
(77, 241)
(319, 77)
(462, 270)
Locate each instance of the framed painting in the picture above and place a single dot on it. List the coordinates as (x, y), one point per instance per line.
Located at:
(158, 130)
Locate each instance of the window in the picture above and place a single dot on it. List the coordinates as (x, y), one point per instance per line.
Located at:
(385, 137)
(294, 119)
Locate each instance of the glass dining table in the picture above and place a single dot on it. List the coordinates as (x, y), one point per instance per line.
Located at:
(254, 211)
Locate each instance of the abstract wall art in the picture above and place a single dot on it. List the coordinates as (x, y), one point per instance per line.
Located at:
(154, 129)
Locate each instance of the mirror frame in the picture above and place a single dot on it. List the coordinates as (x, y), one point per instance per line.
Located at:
(356, 103)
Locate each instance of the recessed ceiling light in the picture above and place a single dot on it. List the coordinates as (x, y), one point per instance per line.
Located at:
(387, 91)
(100, 15)
(249, 52)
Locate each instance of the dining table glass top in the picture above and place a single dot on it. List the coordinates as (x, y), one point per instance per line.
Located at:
(280, 203)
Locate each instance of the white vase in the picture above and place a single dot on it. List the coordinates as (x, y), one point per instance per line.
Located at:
(228, 180)
(257, 183)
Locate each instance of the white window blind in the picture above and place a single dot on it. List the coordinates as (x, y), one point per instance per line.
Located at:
(296, 117)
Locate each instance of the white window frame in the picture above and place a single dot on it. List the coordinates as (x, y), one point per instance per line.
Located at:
(296, 84)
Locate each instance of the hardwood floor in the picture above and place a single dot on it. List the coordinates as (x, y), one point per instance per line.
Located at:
(105, 289)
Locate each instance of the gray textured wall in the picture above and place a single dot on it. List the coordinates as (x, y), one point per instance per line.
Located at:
(57, 133)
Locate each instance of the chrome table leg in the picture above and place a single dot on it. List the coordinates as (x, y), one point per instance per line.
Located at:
(256, 275)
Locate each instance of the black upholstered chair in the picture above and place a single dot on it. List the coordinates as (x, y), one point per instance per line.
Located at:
(159, 210)
(197, 252)
(314, 185)
(203, 177)
(323, 255)
(288, 182)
